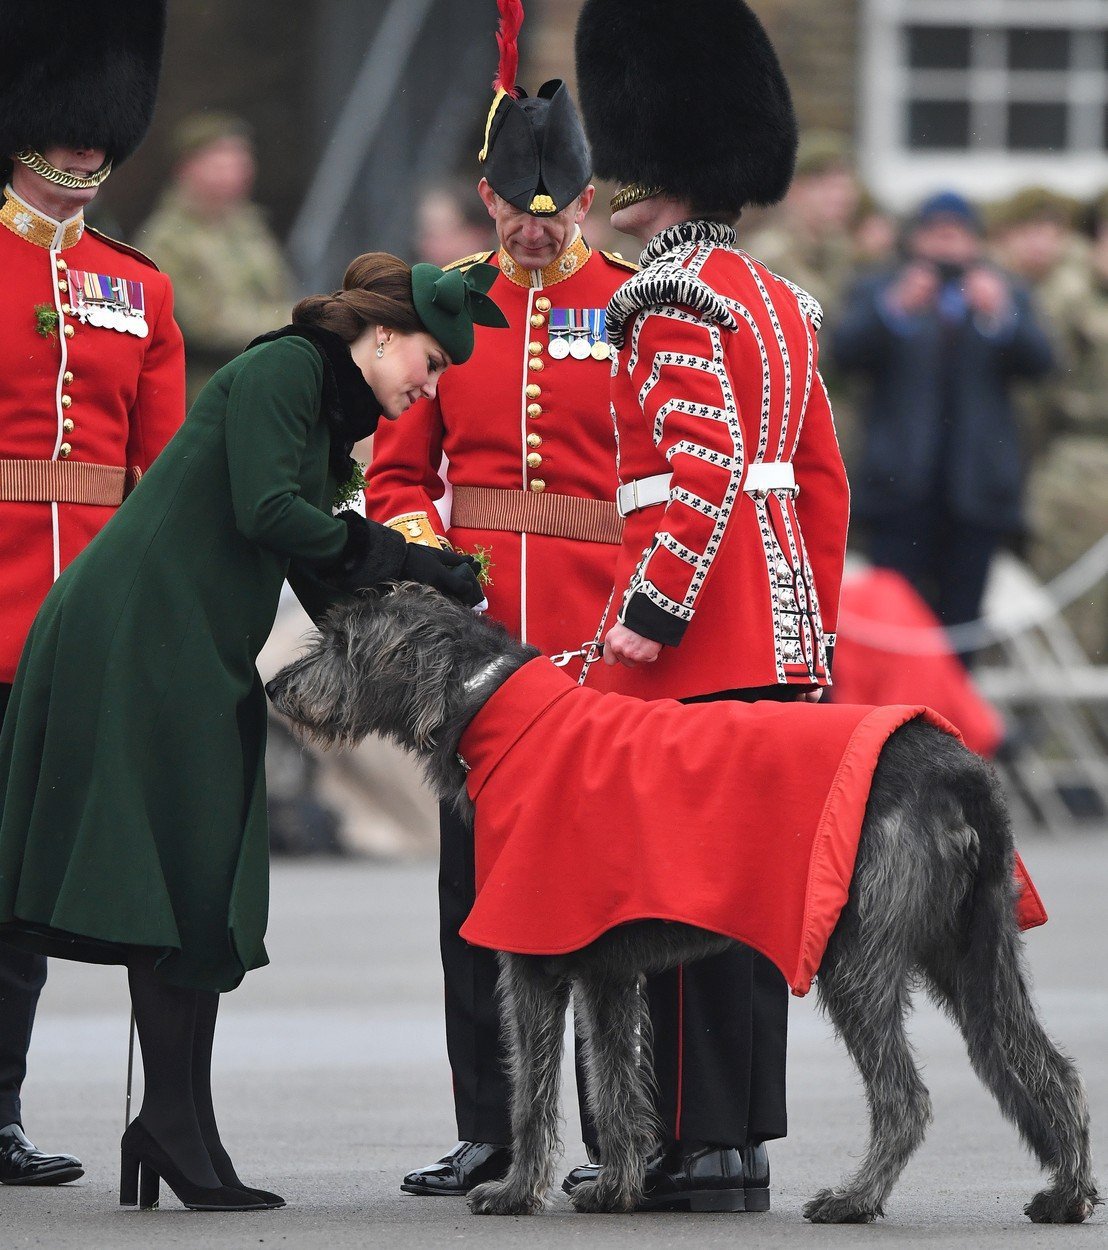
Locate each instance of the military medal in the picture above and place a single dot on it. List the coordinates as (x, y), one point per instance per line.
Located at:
(108, 303)
(598, 333)
(558, 347)
(579, 348)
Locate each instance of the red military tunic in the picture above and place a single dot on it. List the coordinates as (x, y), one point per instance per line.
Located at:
(536, 429)
(84, 408)
(717, 384)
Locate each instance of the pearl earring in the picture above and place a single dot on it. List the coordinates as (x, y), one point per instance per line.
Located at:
(380, 350)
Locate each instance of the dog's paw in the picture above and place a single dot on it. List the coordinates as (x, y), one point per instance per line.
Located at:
(596, 1198)
(833, 1207)
(500, 1198)
(1053, 1206)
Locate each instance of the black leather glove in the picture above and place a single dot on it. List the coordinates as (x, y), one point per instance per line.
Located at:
(446, 571)
(372, 554)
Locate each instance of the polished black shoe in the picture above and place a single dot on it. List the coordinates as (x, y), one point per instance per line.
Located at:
(756, 1177)
(709, 1178)
(22, 1163)
(582, 1172)
(470, 1163)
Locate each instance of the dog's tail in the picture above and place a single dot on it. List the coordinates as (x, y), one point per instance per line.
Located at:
(984, 984)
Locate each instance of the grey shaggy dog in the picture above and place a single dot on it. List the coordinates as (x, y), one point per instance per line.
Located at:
(931, 902)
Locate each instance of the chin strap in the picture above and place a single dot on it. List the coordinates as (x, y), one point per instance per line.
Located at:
(72, 182)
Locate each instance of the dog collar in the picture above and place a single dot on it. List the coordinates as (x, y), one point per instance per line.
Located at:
(479, 678)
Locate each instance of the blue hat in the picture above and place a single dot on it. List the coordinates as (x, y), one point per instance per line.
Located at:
(948, 205)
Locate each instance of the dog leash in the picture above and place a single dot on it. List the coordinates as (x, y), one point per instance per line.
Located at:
(590, 652)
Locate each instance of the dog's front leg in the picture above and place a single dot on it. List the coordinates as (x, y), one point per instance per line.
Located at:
(616, 1030)
(532, 1007)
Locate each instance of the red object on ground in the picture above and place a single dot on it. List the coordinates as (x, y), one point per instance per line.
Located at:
(594, 810)
(865, 672)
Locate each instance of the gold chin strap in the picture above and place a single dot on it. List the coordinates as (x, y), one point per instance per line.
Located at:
(73, 182)
(632, 194)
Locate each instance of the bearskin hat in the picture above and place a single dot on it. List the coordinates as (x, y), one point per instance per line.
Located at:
(78, 73)
(687, 97)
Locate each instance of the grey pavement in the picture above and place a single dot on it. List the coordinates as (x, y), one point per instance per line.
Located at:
(331, 1082)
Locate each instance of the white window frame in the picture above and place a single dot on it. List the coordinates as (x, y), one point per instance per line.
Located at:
(901, 175)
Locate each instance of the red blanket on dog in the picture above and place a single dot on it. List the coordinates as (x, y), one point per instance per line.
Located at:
(596, 809)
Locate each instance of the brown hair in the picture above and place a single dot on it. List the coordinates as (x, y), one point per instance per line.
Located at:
(376, 291)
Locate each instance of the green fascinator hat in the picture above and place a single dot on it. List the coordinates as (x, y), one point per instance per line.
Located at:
(450, 302)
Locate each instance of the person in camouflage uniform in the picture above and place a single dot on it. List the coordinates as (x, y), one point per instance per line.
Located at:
(810, 242)
(231, 280)
(1068, 503)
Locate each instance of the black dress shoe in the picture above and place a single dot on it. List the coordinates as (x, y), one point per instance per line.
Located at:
(708, 1178)
(756, 1177)
(470, 1163)
(22, 1163)
(582, 1172)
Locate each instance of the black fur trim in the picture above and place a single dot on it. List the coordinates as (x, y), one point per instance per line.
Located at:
(349, 405)
(78, 73)
(686, 96)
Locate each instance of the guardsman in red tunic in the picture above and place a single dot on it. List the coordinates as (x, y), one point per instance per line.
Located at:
(733, 492)
(91, 366)
(527, 434)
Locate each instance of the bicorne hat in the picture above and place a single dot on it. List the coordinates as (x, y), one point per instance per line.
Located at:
(535, 154)
(78, 73)
(687, 100)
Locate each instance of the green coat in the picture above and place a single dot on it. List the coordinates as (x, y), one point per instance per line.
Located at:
(132, 784)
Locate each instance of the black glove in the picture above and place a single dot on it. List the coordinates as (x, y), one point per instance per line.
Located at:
(446, 571)
(372, 554)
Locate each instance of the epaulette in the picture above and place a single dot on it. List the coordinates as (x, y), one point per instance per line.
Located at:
(120, 246)
(478, 258)
(663, 285)
(619, 261)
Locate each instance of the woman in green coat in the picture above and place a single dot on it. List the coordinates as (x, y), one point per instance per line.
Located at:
(132, 787)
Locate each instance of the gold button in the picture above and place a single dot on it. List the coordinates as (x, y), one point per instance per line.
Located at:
(533, 391)
(537, 320)
(535, 349)
(542, 304)
(67, 401)
(535, 363)
(63, 285)
(538, 485)
(60, 263)
(67, 377)
(534, 410)
(534, 460)
(67, 309)
(64, 450)
(67, 425)
(68, 332)
(534, 440)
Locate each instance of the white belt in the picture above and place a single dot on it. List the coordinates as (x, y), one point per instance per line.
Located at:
(648, 491)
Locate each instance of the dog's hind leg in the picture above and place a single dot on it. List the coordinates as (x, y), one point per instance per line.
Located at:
(533, 1006)
(616, 1028)
(979, 978)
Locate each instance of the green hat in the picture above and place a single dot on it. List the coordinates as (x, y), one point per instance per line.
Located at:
(198, 130)
(450, 302)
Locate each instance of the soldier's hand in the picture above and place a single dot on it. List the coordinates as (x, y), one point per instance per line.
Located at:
(624, 646)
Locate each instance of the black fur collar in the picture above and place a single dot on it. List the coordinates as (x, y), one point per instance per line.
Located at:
(350, 407)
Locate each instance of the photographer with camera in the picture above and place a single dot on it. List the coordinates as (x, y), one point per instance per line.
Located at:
(941, 338)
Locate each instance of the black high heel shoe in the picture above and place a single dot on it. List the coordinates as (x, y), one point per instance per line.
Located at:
(144, 1164)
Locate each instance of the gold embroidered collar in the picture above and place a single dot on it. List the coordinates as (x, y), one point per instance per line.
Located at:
(28, 223)
(557, 271)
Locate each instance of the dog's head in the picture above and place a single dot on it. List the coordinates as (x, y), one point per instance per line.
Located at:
(398, 664)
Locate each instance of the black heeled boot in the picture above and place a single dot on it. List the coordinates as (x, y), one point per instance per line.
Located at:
(144, 1164)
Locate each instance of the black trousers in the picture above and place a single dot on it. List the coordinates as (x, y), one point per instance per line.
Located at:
(719, 1024)
(720, 1029)
(482, 1093)
(22, 976)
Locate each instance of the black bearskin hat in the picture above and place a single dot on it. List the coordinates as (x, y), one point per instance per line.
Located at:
(688, 97)
(78, 73)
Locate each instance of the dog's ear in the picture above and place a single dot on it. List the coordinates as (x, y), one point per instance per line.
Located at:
(433, 671)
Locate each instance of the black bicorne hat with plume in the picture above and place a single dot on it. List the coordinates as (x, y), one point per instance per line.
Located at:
(535, 154)
(78, 73)
(686, 99)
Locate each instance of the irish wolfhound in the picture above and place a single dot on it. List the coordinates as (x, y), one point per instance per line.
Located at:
(931, 901)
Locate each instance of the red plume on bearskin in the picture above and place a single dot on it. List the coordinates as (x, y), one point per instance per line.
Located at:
(507, 37)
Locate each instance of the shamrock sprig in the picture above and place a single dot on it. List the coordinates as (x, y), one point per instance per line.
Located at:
(46, 321)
